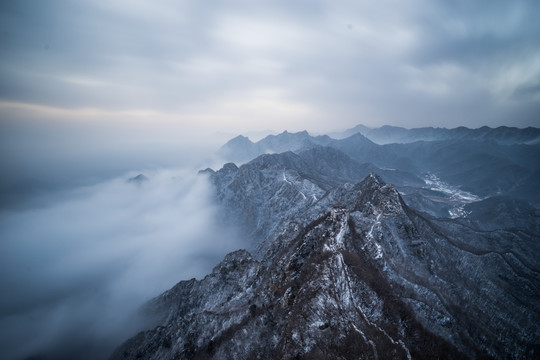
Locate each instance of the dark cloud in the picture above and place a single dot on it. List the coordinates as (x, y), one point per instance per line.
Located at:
(528, 92)
(480, 32)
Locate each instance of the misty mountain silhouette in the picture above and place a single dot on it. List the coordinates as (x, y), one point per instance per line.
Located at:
(394, 134)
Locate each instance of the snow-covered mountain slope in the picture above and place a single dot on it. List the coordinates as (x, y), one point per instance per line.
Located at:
(264, 194)
(355, 274)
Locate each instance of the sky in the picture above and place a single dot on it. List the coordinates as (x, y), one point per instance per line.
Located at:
(95, 92)
(239, 66)
(121, 84)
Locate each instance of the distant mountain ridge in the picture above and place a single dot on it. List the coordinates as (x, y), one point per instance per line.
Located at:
(241, 149)
(394, 134)
(481, 166)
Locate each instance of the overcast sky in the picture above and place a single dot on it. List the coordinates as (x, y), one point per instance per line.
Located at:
(97, 88)
(239, 66)
(90, 90)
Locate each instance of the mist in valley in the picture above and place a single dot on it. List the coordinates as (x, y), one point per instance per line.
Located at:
(77, 262)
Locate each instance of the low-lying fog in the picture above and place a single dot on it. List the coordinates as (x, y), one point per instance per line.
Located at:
(76, 264)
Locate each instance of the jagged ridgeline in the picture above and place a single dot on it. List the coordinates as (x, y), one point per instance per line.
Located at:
(340, 267)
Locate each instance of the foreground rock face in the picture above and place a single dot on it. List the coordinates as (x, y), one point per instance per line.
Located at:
(357, 275)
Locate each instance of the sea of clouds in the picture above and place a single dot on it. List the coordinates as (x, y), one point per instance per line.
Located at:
(73, 271)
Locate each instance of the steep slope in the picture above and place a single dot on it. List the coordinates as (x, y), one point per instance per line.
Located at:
(503, 212)
(485, 168)
(358, 275)
(262, 195)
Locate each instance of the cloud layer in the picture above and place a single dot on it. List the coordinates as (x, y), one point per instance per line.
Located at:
(73, 271)
(317, 65)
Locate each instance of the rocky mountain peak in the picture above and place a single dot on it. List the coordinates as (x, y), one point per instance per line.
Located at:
(234, 261)
(342, 268)
(240, 139)
(370, 196)
(229, 168)
(375, 192)
(319, 293)
(373, 180)
(227, 172)
(351, 274)
(359, 138)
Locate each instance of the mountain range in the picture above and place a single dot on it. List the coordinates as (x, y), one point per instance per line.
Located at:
(363, 251)
(394, 134)
(483, 167)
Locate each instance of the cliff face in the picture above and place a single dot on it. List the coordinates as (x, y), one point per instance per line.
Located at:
(354, 273)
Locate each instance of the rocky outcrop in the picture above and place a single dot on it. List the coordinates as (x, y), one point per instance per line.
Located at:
(355, 274)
